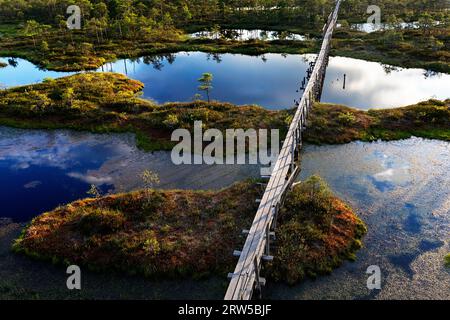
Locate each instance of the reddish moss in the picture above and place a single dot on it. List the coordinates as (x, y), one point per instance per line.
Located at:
(187, 233)
(317, 233)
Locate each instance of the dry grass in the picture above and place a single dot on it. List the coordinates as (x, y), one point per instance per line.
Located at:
(334, 124)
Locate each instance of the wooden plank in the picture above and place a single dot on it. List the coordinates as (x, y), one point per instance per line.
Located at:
(283, 175)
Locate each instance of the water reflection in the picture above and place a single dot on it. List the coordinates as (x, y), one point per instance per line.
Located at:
(22, 72)
(401, 189)
(372, 27)
(373, 85)
(245, 35)
(270, 80)
(40, 170)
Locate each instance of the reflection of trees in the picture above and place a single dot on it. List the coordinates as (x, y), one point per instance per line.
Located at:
(264, 35)
(13, 62)
(134, 61)
(157, 61)
(217, 57)
(430, 73)
(308, 58)
(170, 58)
(244, 34)
(229, 34)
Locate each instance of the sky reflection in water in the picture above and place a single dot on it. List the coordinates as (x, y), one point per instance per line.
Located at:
(270, 80)
(399, 188)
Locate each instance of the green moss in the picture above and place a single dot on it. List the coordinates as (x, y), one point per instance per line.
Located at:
(60, 57)
(403, 48)
(415, 48)
(108, 102)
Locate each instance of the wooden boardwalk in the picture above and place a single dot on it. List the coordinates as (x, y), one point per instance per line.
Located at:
(246, 276)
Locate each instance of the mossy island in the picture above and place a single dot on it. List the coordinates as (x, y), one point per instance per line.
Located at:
(176, 233)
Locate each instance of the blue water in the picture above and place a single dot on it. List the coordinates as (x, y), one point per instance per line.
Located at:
(40, 170)
(401, 190)
(270, 80)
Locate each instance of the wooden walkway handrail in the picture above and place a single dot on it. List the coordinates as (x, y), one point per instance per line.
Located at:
(246, 276)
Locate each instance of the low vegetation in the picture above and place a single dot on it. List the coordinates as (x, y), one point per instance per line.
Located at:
(334, 124)
(403, 48)
(37, 30)
(81, 53)
(193, 233)
(108, 102)
(447, 260)
(317, 232)
(427, 47)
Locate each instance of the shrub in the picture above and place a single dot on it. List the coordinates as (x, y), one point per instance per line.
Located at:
(313, 194)
(171, 121)
(100, 221)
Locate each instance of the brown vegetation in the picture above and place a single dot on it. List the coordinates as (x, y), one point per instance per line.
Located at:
(187, 233)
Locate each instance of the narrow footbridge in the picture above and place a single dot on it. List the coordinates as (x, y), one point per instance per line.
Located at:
(246, 279)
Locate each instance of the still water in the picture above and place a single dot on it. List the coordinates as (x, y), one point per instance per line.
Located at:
(270, 80)
(400, 189)
(245, 35)
(40, 170)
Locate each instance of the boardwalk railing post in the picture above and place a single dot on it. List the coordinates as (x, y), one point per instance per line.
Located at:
(257, 277)
(275, 210)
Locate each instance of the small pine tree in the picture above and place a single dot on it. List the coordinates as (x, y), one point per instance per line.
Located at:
(206, 84)
(94, 191)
